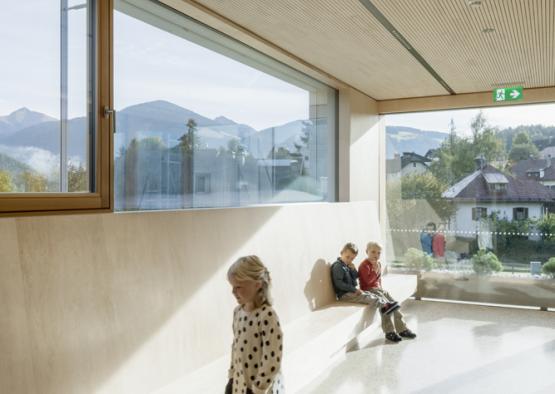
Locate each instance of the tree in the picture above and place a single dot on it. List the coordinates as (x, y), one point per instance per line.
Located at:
(523, 148)
(523, 152)
(547, 226)
(235, 149)
(454, 159)
(521, 138)
(34, 183)
(6, 183)
(427, 187)
(485, 140)
(549, 268)
(189, 142)
(77, 178)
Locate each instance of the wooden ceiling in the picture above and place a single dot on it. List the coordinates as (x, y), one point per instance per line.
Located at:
(391, 49)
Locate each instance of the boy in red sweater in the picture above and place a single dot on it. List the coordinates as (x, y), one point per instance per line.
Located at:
(370, 277)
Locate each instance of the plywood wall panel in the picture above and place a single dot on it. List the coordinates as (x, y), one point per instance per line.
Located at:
(16, 367)
(127, 303)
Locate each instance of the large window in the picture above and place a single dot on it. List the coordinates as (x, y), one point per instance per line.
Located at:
(49, 129)
(482, 207)
(204, 121)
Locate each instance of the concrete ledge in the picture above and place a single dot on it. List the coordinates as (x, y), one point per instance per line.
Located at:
(311, 342)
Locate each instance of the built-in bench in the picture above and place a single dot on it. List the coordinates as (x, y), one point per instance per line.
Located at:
(314, 341)
(311, 342)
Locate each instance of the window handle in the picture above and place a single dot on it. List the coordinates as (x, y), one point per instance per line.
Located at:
(107, 113)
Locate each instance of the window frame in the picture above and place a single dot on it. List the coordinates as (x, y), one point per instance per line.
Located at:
(101, 200)
(171, 20)
(483, 213)
(523, 210)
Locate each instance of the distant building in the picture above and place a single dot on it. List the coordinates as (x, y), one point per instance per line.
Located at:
(408, 164)
(541, 170)
(488, 190)
(547, 152)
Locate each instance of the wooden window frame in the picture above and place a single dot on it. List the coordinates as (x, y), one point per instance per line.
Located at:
(15, 204)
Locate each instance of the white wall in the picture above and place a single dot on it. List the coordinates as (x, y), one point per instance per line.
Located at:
(413, 169)
(361, 145)
(463, 215)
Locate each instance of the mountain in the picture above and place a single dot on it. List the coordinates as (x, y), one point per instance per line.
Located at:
(46, 136)
(401, 139)
(168, 122)
(228, 126)
(20, 119)
(12, 166)
(286, 135)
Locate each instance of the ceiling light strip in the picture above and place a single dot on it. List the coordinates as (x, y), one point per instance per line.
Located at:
(395, 33)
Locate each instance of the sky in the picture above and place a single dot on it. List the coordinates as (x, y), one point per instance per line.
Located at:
(501, 117)
(151, 64)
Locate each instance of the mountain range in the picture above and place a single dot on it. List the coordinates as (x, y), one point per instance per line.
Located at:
(167, 121)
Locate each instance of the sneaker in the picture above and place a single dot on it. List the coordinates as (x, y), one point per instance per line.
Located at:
(389, 308)
(393, 337)
(407, 334)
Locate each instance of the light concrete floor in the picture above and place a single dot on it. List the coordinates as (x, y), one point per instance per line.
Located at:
(460, 349)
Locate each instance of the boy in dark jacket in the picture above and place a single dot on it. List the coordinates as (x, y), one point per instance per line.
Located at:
(344, 279)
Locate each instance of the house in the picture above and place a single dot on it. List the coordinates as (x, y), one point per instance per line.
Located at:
(547, 152)
(541, 170)
(408, 164)
(488, 190)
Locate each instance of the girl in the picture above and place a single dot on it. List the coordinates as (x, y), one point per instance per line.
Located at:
(257, 345)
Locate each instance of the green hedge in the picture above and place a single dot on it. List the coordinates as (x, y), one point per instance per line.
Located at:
(549, 267)
(485, 263)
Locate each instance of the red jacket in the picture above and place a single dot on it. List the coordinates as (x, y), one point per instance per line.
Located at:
(368, 277)
(438, 244)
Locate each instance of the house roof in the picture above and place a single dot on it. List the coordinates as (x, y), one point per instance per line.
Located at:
(411, 157)
(398, 163)
(523, 167)
(475, 187)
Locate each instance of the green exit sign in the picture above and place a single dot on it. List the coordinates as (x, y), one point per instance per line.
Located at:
(507, 94)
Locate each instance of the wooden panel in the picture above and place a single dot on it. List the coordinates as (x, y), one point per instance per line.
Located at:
(346, 42)
(71, 319)
(92, 302)
(470, 100)
(341, 38)
(449, 35)
(16, 367)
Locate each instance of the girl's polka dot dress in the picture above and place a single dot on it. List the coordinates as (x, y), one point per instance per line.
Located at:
(256, 351)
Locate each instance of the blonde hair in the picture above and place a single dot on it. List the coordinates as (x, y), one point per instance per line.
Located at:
(252, 268)
(373, 245)
(351, 247)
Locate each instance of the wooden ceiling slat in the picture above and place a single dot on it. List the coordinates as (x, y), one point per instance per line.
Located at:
(345, 40)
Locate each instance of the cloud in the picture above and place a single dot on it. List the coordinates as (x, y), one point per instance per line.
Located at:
(43, 161)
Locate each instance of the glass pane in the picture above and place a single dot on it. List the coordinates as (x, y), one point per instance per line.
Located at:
(204, 121)
(44, 109)
(471, 202)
